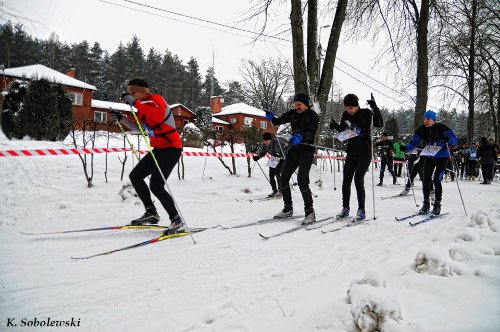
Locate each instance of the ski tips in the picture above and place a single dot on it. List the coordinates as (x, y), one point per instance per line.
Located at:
(263, 236)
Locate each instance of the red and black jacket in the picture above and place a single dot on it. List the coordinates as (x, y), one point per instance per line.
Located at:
(158, 122)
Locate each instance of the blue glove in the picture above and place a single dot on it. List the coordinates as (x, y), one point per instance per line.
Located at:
(356, 129)
(295, 139)
(128, 99)
(270, 115)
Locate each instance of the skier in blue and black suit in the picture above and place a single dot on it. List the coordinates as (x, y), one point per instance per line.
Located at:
(434, 134)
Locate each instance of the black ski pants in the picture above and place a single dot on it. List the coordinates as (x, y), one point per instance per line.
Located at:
(398, 167)
(274, 175)
(417, 168)
(167, 159)
(386, 161)
(487, 170)
(355, 167)
(434, 169)
(301, 159)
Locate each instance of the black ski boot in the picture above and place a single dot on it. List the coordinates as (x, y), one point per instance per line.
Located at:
(150, 217)
(425, 208)
(176, 226)
(437, 208)
(274, 193)
(380, 184)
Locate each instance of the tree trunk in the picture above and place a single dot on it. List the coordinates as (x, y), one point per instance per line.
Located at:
(422, 63)
(299, 64)
(497, 132)
(313, 56)
(325, 82)
(326, 78)
(471, 78)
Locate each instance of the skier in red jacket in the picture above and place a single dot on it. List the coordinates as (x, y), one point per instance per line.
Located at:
(158, 123)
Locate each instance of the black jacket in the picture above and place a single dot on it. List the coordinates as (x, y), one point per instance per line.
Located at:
(486, 154)
(362, 119)
(305, 124)
(275, 148)
(386, 147)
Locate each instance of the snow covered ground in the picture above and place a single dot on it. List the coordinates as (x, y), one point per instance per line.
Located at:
(384, 275)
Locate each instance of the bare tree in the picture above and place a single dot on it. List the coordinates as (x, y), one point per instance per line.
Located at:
(266, 82)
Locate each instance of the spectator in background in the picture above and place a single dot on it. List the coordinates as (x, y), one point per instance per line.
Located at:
(399, 157)
(487, 157)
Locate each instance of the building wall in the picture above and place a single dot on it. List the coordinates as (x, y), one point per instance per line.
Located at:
(181, 114)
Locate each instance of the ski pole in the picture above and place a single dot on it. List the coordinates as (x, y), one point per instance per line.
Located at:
(458, 186)
(334, 166)
(159, 169)
(322, 147)
(411, 184)
(372, 162)
(124, 134)
(263, 172)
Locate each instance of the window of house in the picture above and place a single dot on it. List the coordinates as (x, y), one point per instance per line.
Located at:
(100, 116)
(185, 121)
(76, 98)
(219, 128)
(234, 120)
(263, 125)
(248, 121)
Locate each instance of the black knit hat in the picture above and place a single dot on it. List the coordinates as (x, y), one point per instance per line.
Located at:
(267, 136)
(351, 100)
(484, 140)
(138, 82)
(385, 134)
(302, 97)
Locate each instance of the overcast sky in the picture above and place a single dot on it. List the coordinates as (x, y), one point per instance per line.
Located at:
(108, 24)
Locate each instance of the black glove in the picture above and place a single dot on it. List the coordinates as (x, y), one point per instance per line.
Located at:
(334, 124)
(128, 99)
(402, 148)
(116, 116)
(372, 103)
(255, 158)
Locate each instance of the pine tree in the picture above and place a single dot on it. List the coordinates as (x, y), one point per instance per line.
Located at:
(207, 87)
(234, 93)
(172, 79)
(46, 114)
(11, 108)
(391, 127)
(117, 75)
(152, 69)
(134, 59)
(203, 118)
(193, 84)
(81, 60)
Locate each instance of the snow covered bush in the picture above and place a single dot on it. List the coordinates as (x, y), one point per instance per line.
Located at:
(480, 219)
(374, 308)
(430, 262)
(11, 107)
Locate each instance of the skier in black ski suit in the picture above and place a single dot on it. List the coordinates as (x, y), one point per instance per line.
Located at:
(359, 149)
(276, 148)
(304, 123)
(386, 148)
(433, 134)
(487, 157)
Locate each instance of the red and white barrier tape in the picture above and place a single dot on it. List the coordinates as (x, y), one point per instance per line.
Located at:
(59, 152)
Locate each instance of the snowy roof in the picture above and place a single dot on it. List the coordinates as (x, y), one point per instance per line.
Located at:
(215, 120)
(241, 108)
(41, 71)
(108, 104)
(181, 105)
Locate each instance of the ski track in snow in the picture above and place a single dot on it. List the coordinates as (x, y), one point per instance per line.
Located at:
(383, 275)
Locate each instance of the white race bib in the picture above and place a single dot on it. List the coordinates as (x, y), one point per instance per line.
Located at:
(273, 162)
(430, 151)
(345, 135)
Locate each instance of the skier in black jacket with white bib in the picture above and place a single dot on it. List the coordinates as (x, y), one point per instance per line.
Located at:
(304, 123)
(359, 149)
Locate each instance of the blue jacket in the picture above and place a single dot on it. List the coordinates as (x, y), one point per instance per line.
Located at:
(439, 134)
(472, 151)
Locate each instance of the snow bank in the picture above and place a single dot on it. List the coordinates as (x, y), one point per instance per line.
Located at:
(374, 307)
